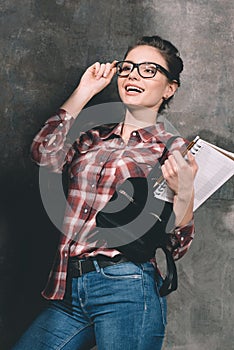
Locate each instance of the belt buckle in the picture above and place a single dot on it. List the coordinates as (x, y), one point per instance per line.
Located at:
(80, 267)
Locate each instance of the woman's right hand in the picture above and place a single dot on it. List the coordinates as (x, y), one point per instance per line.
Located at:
(97, 77)
(94, 80)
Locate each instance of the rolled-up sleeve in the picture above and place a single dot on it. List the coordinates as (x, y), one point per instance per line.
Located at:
(181, 239)
(50, 146)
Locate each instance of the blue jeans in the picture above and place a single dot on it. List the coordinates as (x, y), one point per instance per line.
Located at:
(117, 308)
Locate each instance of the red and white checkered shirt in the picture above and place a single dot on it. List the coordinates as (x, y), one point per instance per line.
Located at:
(96, 162)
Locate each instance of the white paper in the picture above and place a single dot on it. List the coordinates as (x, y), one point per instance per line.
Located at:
(214, 169)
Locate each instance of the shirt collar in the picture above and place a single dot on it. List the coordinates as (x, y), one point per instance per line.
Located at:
(146, 134)
(106, 130)
(152, 131)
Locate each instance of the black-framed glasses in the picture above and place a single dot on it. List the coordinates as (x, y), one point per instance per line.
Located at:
(144, 69)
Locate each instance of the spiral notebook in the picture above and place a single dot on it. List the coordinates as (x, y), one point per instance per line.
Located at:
(216, 166)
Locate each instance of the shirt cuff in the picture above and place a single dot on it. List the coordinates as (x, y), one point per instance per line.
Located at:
(58, 127)
(183, 235)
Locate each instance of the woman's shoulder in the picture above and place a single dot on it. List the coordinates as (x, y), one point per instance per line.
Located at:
(173, 141)
(179, 143)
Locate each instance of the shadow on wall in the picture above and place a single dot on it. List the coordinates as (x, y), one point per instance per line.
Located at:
(27, 246)
(28, 239)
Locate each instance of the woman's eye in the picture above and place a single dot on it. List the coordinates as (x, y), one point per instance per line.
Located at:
(125, 68)
(150, 70)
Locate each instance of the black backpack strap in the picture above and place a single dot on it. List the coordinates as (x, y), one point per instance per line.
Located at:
(170, 282)
(167, 148)
(156, 172)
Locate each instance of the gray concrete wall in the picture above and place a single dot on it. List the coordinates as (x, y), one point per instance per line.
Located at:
(45, 46)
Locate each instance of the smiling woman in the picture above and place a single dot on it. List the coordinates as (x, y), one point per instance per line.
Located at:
(97, 294)
(166, 53)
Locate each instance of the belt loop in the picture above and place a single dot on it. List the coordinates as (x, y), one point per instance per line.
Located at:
(80, 267)
(97, 267)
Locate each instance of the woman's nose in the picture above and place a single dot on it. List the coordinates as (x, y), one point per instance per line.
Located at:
(134, 74)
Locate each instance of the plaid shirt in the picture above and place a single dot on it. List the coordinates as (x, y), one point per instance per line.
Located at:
(96, 162)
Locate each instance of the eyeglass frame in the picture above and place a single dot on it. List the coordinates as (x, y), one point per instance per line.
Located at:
(136, 65)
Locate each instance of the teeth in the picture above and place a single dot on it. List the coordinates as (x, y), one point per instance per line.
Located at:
(134, 88)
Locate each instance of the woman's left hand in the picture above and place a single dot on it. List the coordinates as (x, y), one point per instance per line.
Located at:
(179, 174)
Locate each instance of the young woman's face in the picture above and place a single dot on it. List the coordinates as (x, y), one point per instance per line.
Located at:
(149, 92)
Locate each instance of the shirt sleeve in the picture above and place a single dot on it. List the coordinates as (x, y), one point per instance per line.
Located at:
(50, 146)
(181, 239)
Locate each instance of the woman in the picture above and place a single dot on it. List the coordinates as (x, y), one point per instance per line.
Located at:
(97, 296)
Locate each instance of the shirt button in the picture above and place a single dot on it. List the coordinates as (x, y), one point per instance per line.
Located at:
(65, 255)
(134, 133)
(61, 125)
(85, 210)
(182, 238)
(178, 233)
(92, 185)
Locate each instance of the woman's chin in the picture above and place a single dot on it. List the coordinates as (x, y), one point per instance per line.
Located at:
(134, 106)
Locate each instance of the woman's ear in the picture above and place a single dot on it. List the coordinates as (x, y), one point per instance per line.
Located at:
(170, 90)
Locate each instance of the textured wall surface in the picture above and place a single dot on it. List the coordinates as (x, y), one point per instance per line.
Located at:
(44, 48)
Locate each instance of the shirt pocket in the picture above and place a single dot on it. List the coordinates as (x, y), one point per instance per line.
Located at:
(81, 162)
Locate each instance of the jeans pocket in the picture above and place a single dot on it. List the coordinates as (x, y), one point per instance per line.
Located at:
(122, 271)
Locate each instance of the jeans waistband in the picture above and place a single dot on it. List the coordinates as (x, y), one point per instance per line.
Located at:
(78, 266)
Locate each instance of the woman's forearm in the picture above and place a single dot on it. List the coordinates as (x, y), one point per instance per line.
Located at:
(77, 101)
(94, 80)
(183, 208)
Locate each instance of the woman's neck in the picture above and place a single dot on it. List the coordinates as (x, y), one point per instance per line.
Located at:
(140, 117)
(137, 119)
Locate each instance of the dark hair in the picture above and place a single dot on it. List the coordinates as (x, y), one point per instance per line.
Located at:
(169, 53)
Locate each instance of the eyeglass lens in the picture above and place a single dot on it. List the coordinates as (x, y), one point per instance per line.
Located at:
(146, 70)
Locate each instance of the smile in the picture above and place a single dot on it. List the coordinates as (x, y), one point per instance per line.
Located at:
(133, 88)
